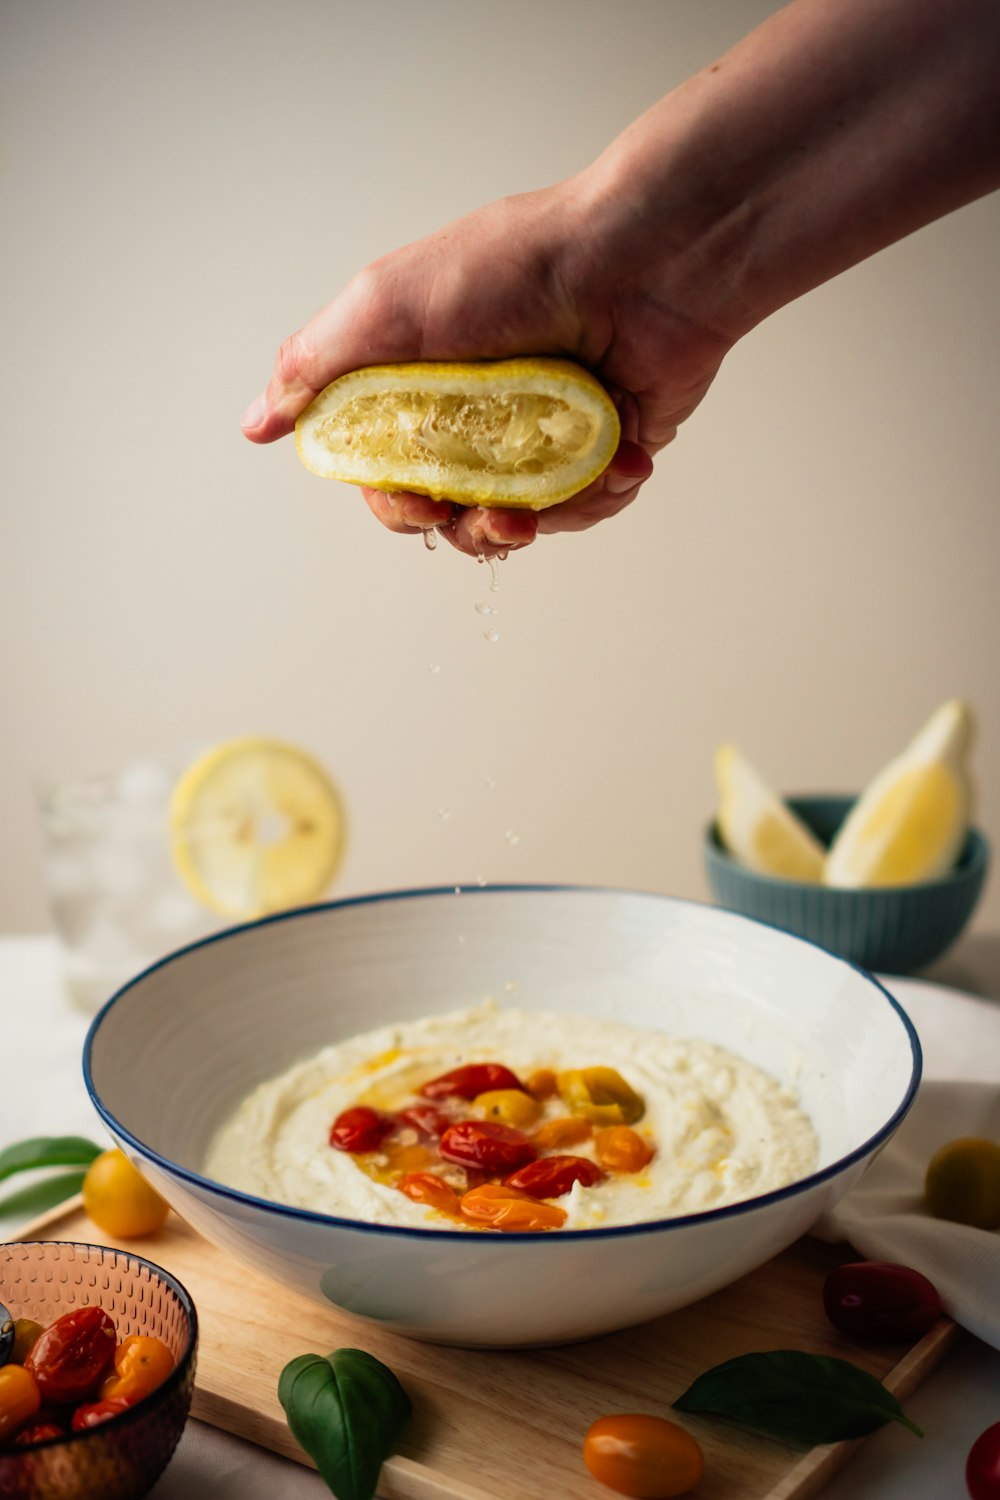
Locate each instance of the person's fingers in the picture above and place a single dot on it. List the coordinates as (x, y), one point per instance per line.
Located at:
(406, 512)
(484, 532)
(616, 488)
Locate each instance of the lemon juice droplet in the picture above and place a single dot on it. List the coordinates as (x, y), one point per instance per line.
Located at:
(494, 563)
(491, 635)
(433, 668)
(480, 880)
(458, 890)
(430, 539)
(484, 607)
(491, 783)
(443, 814)
(512, 837)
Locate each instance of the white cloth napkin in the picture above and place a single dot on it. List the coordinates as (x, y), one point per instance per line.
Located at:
(884, 1217)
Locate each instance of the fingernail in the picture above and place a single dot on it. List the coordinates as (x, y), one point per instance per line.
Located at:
(617, 484)
(255, 413)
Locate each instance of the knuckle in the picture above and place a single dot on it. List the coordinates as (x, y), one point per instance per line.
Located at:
(291, 362)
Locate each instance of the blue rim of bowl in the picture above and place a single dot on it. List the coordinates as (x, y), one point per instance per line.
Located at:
(177, 1374)
(972, 861)
(408, 1232)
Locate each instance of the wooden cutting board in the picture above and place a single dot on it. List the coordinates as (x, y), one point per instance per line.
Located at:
(489, 1425)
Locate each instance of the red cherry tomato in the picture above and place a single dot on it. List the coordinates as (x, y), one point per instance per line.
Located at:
(38, 1434)
(647, 1457)
(358, 1129)
(487, 1144)
(873, 1299)
(96, 1412)
(982, 1467)
(555, 1175)
(426, 1119)
(473, 1079)
(69, 1358)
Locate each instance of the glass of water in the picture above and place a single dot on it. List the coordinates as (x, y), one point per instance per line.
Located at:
(117, 901)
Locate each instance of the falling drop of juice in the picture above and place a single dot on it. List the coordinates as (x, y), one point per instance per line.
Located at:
(512, 837)
(443, 814)
(433, 668)
(494, 574)
(480, 880)
(485, 608)
(430, 539)
(491, 635)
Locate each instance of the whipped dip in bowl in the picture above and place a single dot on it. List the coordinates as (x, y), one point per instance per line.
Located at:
(677, 1094)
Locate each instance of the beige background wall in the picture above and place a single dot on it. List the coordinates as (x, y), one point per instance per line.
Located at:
(811, 570)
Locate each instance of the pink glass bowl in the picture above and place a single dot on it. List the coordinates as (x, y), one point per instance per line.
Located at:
(122, 1458)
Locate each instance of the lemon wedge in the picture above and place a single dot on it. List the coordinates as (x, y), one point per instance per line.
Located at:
(910, 823)
(758, 827)
(256, 826)
(511, 433)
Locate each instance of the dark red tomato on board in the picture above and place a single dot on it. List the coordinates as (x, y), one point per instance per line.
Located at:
(874, 1299)
(554, 1175)
(40, 1433)
(426, 1119)
(70, 1356)
(358, 1129)
(982, 1467)
(473, 1079)
(96, 1412)
(486, 1144)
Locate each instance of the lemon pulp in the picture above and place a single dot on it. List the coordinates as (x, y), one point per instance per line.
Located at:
(524, 432)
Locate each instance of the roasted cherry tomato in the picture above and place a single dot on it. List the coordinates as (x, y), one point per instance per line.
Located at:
(874, 1299)
(6, 1335)
(982, 1467)
(26, 1331)
(119, 1200)
(70, 1357)
(505, 1208)
(425, 1187)
(358, 1129)
(542, 1083)
(622, 1149)
(509, 1106)
(554, 1175)
(963, 1183)
(567, 1130)
(96, 1412)
(486, 1144)
(647, 1457)
(20, 1398)
(473, 1079)
(600, 1095)
(141, 1364)
(426, 1119)
(38, 1434)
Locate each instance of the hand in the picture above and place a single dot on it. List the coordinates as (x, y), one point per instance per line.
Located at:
(536, 274)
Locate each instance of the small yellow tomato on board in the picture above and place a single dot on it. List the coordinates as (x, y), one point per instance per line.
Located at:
(20, 1398)
(963, 1183)
(646, 1457)
(119, 1200)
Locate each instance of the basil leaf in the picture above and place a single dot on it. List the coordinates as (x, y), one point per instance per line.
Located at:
(346, 1410)
(42, 1195)
(47, 1151)
(800, 1398)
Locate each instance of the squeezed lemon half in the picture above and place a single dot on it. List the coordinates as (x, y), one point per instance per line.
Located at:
(514, 433)
(758, 827)
(256, 826)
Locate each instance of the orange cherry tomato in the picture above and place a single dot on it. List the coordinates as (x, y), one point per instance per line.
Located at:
(425, 1187)
(568, 1130)
(20, 1398)
(542, 1083)
(141, 1364)
(503, 1207)
(646, 1457)
(554, 1175)
(71, 1356)
(622, 1149)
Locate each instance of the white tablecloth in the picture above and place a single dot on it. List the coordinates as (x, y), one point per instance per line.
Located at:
(43, 1094)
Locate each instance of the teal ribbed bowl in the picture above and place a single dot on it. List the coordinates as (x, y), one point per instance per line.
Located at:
(894, 929)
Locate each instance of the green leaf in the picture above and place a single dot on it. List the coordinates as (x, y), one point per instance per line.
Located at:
(42, 1195)
(797, 1397)
(47, 1151)
(346, 1409)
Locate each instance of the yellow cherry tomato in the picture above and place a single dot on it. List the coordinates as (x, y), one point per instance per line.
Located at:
(509, 1106)
(119, 1200)
(621, 1149)
(20, 1398)
(600, 1095)
(566, 1130)
(646, 1457)
(963, 1183)
(141, 1364)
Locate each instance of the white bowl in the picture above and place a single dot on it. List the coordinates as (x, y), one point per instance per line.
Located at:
(175, 1051)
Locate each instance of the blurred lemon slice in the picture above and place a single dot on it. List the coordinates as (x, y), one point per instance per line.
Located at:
(256, 826)
(758, 827)
(512, 433)
(910, 822)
